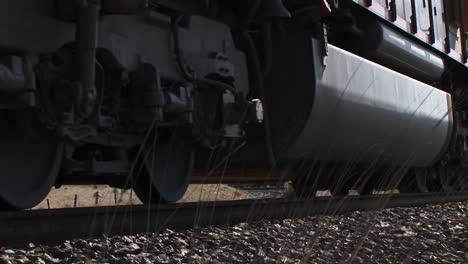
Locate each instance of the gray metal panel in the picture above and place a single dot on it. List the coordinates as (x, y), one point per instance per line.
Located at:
(32, 26)
(134, 39)
(148, 38)
(363, 111)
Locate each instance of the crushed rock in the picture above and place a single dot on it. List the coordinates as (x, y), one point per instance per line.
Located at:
(434, 234)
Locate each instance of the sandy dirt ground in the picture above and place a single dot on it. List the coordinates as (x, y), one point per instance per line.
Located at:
(86, 196)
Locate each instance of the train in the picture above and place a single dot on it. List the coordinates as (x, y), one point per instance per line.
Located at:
(335, 95)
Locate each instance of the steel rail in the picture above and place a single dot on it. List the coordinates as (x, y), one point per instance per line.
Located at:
(60, 224)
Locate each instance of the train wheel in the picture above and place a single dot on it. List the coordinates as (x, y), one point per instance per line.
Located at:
(29, 161)
(163, 174)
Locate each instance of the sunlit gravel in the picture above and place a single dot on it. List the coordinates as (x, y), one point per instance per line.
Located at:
(435, 234)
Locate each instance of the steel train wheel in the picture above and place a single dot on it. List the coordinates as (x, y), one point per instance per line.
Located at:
(30, 158)
(163, 174)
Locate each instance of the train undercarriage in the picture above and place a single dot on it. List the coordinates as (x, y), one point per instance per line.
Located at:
(146, 94)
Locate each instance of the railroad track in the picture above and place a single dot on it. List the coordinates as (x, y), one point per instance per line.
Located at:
(54, 225)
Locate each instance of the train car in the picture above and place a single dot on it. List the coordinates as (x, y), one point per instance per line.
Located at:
(144, 94)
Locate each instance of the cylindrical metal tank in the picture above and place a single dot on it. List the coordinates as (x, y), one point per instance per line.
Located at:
(352, 110)
(387, 46)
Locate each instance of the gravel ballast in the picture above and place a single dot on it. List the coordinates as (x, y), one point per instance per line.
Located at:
(434, 234)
